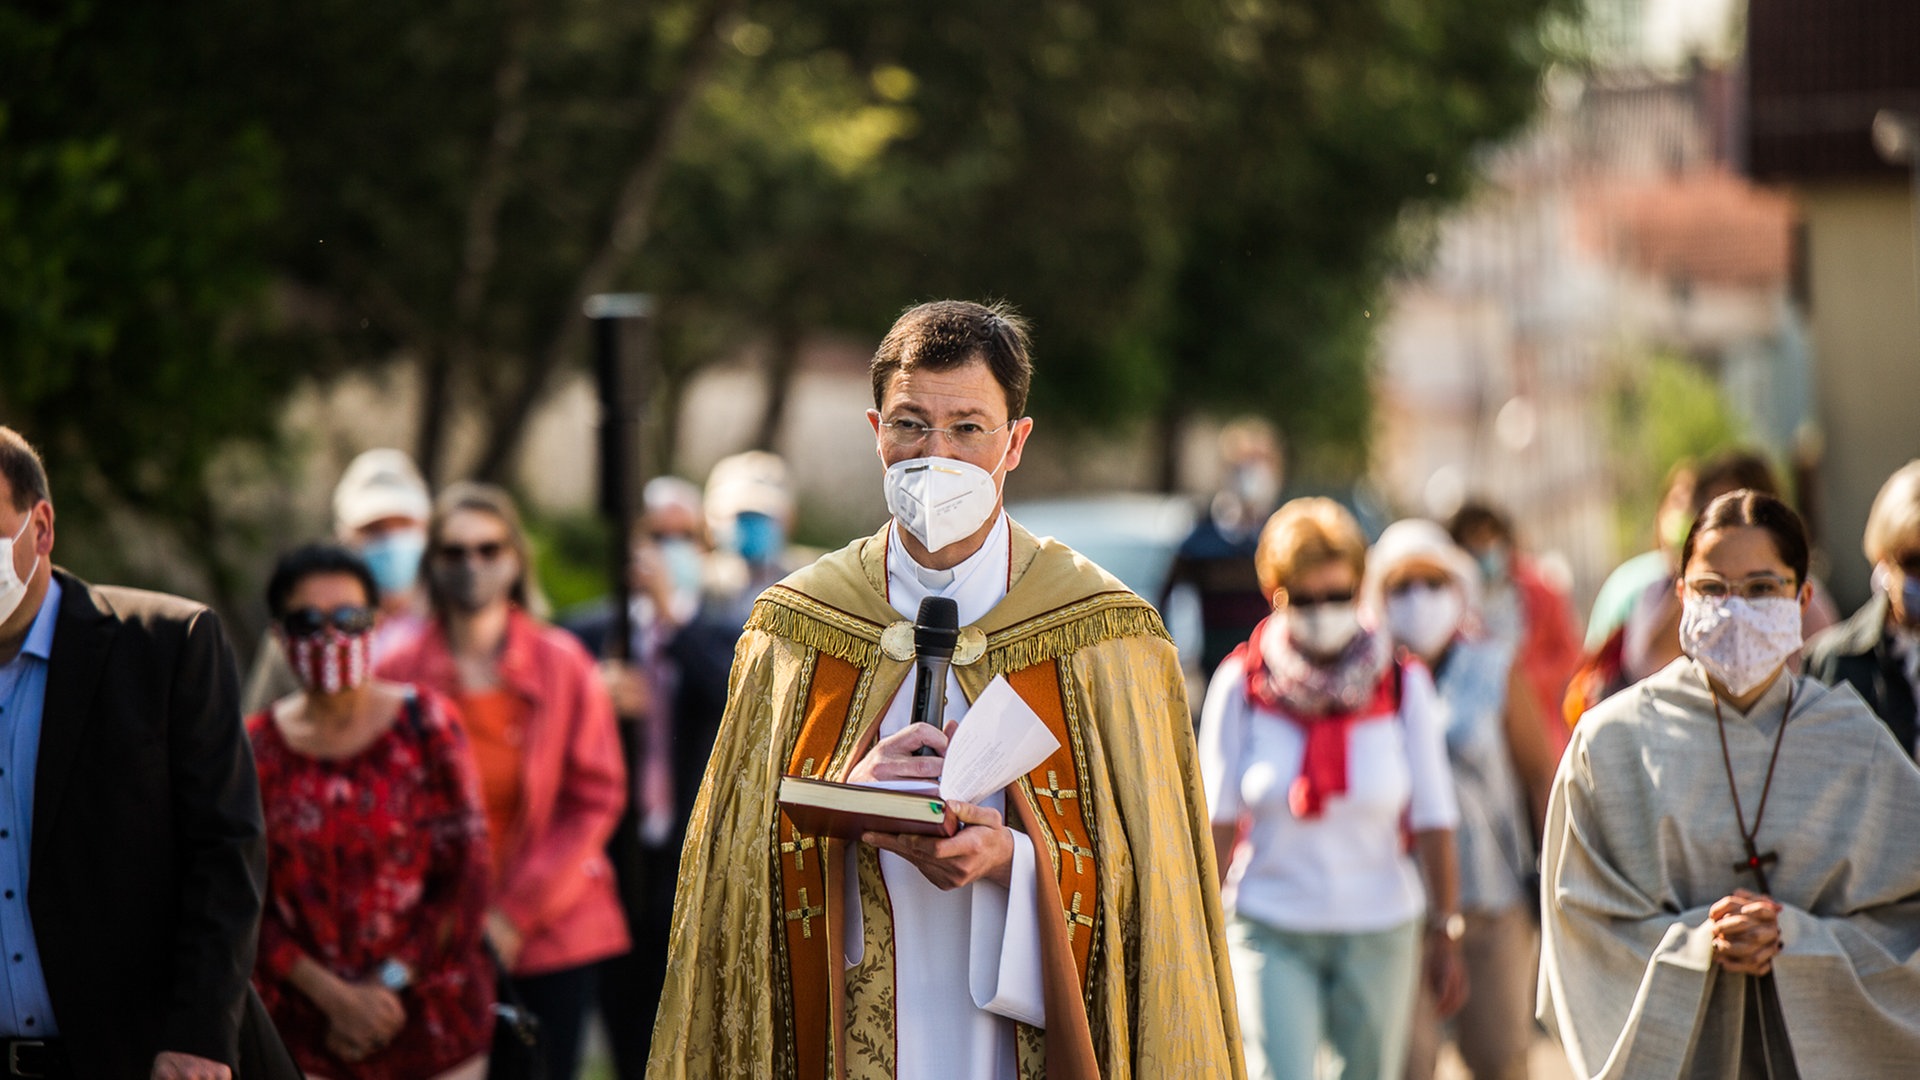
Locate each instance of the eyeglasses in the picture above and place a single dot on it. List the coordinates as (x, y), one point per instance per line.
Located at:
(907, 432)
(1301, 600)
(455, 553)
(311, 621)
(1758, 587)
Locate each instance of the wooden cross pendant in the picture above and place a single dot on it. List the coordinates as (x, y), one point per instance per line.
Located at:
(1756, 864)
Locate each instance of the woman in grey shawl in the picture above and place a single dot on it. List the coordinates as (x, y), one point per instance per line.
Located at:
(1732, 875)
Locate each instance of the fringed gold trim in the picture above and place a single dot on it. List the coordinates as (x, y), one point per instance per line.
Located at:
(1070, 629)
(815, 626)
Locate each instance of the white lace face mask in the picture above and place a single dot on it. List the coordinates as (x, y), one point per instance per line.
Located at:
(942, 500)
(1738, 641)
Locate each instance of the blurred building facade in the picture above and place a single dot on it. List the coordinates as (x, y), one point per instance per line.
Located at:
(1613, 229)
(1821, 71)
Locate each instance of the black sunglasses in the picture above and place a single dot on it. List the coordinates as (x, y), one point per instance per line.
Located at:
(488, 551)
(309, 621)
(1301, 600)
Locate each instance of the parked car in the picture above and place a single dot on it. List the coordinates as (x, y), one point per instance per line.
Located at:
(1134, 537)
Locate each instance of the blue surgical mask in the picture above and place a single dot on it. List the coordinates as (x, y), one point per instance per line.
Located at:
(394, 559)
(1493, 563)
(1910, 599)
(684, 565)
(758, 538)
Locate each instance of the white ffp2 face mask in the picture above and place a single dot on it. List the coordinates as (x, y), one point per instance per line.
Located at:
(940, 500)
(1323, 630)
(13, 588)
(1424, 620)
(1739, 641)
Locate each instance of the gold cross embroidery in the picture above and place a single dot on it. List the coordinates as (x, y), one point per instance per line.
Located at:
(1067, 845)
(1054, 791)
(806, 767)
(806, 915)
(1075, 919)
(798, 849)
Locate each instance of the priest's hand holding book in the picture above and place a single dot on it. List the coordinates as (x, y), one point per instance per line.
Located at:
(1746, 932)
(925, 807)
(983, 848)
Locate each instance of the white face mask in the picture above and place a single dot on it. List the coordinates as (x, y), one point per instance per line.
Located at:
(941, 500)
(13, 588)
(1425, 619)
(1738, 641)
(1323, 629)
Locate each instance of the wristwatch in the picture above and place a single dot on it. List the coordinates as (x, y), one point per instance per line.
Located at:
(1452, 925)
(393, 975)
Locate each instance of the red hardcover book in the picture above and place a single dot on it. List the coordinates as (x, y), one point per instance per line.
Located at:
(826, 808)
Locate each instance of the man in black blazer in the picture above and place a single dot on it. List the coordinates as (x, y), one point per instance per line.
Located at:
(128, 926)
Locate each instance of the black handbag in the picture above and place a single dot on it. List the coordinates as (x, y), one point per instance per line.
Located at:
(516, 1054)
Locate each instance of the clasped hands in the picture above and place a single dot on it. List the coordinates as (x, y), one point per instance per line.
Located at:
(982, 849)
(1746, 932)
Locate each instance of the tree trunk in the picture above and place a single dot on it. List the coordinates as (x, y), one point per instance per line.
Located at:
(783, 362)
(481, 247)
(1169, 426)
(627, 228)
(436, 405)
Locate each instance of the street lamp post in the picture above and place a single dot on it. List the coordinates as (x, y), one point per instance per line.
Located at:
(620, 401)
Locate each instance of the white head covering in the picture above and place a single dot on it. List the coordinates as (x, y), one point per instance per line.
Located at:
(1417, 539)
(750, 482)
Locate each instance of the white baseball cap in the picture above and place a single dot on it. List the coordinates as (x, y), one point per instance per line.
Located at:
(381, 483)
(750, 482)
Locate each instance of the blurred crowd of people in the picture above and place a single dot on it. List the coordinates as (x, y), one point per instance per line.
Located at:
(1379, 739)
(475, 813)
(471, 808)
(1380, 751)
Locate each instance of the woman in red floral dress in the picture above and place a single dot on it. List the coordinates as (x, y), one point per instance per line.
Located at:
(370, 958)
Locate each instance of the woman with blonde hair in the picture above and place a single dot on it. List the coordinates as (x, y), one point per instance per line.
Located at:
(552, 777)
(1317, 745)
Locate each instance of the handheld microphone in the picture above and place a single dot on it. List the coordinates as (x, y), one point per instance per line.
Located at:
(935, 632)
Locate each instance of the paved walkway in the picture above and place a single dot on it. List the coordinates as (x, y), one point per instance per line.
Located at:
(1544, 1062)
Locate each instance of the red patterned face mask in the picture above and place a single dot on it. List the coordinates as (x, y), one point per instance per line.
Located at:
(329, 662)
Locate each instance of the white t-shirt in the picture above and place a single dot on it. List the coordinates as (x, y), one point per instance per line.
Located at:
(1348, 870)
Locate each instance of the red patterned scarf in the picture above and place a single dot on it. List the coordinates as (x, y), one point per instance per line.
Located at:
(1323, 699)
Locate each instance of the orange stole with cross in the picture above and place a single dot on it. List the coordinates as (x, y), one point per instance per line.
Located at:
(803, 862)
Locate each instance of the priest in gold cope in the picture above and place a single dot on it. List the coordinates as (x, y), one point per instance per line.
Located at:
(1072, 928)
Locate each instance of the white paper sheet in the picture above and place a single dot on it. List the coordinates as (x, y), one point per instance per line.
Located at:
(1000, 740)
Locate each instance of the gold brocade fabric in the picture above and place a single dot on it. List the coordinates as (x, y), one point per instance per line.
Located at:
(1159, 994)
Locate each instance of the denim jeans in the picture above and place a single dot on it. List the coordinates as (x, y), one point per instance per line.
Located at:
(1297, 990)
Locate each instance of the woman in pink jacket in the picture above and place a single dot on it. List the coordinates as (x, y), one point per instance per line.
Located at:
(552, 777)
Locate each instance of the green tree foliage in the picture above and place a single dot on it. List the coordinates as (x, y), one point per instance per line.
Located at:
(132, 191)
(1667, 411)
(1193, 200)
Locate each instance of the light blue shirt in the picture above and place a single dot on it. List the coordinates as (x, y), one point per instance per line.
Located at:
(25, 1009)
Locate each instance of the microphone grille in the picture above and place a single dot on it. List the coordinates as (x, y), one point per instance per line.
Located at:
(939, 613)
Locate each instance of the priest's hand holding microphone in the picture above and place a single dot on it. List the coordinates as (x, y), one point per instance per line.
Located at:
(983, 848)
